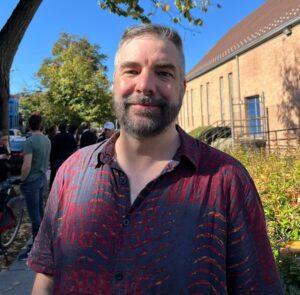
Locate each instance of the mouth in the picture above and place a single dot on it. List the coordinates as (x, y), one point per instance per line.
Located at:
(144, 106)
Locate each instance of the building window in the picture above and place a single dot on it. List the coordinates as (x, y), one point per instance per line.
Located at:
(222, 99)
(202, 105)
(253, 116)
(183, 114)
(187, 108)
(208, 103)
(192, 107)
(11, 108)
(230, 85)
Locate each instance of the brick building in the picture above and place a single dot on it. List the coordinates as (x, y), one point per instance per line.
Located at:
(250, 80)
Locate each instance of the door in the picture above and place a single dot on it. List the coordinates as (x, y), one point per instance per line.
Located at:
(253, 115)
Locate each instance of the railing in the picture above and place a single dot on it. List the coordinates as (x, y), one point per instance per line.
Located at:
(217, 130)
(217, 134)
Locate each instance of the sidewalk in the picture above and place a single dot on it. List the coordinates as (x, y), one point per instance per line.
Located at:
(17, 280)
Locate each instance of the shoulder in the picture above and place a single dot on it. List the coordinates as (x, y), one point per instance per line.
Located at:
(203, 156)
(43, 138)
(83, 157)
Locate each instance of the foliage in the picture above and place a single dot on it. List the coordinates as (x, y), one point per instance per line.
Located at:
(75, 85)
(52, 115)
(289, 268)
(186, 9)
(209, 134)
(197, 132)
(277, 177)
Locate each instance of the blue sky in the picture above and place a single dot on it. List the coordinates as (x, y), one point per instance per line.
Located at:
(85, 18)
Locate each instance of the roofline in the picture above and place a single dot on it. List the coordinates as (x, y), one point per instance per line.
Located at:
(271, 34)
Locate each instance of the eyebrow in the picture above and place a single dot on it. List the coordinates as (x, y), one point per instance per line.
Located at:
(129, 64)
(166, 66)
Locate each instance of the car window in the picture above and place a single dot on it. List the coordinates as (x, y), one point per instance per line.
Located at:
(11, 132)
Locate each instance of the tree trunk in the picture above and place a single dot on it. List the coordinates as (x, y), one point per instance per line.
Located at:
(10, 38)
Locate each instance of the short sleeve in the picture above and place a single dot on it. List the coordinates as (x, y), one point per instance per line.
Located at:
(250, 262)
(28, 149)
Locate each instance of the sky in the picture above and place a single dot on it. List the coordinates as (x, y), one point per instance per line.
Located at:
(86, 19)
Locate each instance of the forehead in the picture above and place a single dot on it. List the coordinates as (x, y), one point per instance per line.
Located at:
(148, 48)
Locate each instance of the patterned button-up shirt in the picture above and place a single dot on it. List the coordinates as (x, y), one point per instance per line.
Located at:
(198, 228)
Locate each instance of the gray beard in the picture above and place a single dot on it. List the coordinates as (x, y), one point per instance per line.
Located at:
(152, 123)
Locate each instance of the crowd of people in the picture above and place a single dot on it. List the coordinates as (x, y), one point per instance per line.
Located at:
(44, 148)
(67, 140)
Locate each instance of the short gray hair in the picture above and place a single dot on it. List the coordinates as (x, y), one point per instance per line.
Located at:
(162, 32)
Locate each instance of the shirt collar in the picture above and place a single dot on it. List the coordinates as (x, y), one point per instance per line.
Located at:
(189, 149)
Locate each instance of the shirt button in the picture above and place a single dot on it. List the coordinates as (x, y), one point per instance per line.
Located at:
(126, 222)
(119, 276)
(123, 180)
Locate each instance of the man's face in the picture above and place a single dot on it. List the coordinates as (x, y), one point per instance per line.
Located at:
(148, 86)
(108, 133)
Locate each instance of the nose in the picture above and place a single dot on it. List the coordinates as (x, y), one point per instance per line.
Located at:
(146, 83)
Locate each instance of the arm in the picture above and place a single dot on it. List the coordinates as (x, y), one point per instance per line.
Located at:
(26, 166)
(250, 261)
(43, 285)
(4, 156)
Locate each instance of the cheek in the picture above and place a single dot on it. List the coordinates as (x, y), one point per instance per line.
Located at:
(170, 91)
(123, 87)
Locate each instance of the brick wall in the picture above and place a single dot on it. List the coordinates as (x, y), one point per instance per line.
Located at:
(270, 71)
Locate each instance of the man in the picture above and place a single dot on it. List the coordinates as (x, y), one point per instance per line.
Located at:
(63, 145)
(152, 210)
(88, 136)
(33, 174)
(108, 131)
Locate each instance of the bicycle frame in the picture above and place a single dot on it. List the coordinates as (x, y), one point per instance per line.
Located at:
(11, 213)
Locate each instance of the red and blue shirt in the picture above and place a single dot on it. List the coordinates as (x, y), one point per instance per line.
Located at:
(198, 228)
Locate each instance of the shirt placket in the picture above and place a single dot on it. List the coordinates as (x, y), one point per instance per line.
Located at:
(120, 276)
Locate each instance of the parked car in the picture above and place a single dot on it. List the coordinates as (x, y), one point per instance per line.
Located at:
(16, 141)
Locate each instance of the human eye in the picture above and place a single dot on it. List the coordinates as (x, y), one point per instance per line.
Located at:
(131, 72)
(165, 74)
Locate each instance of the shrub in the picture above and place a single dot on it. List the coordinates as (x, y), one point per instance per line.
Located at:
(277, 178)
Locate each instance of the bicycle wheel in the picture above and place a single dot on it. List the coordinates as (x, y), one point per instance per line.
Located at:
(7, 238)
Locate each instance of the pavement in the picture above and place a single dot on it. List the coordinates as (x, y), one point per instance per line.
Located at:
(17, 279)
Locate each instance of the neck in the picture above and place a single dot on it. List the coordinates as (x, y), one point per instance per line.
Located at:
(144, 151)
(143, 159)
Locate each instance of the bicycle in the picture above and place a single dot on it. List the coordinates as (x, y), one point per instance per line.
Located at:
(12, 205)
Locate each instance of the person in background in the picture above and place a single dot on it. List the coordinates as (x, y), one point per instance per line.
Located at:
(63, 144)
(152, 210)
(73, 129)
(88, 136)
(33, 174)
(5, 155)
(108, 131)
(51, 131)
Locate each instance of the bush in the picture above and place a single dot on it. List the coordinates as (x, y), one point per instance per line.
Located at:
(277, 178)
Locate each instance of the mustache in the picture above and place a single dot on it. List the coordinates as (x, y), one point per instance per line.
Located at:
(145, 100)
